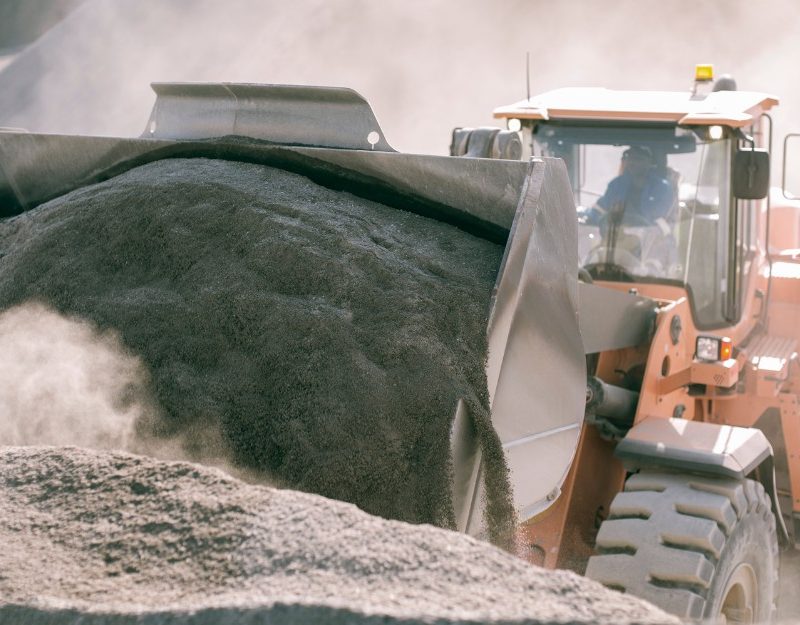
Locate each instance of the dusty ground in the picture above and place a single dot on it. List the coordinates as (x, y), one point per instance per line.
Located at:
(110, 535)
(789, 606)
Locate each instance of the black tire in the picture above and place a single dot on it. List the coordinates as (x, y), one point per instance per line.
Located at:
(697, 547)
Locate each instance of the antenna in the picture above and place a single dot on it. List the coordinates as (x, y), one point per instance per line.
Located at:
(528, 75)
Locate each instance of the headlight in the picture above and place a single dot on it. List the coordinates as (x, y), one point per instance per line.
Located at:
(713, 348)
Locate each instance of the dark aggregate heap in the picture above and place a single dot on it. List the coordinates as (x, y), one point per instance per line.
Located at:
(105, 538)
(325, 336)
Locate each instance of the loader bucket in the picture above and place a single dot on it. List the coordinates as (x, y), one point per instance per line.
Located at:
(536, 366)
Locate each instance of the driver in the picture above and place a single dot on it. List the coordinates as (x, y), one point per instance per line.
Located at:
(638, 195)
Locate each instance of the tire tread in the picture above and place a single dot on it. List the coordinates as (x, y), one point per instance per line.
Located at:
(666, 532)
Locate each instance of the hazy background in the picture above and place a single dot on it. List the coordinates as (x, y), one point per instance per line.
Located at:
(425, 65)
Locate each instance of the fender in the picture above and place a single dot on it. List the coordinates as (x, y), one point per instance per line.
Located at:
(707, 448)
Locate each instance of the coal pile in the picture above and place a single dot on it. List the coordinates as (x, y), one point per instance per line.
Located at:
(317, 338)
(103, 537)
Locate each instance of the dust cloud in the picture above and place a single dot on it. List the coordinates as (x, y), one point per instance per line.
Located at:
(65, 382)
(425, 66)
(62, 382)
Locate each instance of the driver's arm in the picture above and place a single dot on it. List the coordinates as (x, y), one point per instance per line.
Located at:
(614, 195)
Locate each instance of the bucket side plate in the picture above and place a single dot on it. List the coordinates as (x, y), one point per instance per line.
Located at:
(536, 371)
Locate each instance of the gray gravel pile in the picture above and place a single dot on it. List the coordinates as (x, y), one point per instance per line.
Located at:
(115, 538)
(323, 338)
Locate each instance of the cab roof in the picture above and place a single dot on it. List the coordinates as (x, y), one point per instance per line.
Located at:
(725, 108)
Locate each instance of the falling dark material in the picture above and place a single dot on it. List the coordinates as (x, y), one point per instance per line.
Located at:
(326, 337)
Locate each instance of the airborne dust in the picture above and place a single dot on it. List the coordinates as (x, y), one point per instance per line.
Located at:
(64, 383)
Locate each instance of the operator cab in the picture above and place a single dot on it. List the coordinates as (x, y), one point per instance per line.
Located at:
(673, 227)
(652, 175)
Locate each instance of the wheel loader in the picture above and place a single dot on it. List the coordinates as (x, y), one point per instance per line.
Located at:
(640, 366)
(686, 477)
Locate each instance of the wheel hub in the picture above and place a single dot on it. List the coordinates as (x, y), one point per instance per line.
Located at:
(740, 596)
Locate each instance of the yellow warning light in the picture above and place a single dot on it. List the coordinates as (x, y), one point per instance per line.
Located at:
(703, 73)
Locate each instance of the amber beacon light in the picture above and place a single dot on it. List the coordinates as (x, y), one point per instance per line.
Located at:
(704, 72)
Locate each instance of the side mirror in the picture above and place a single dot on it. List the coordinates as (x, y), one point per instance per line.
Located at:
(791, 170)
(751, 174)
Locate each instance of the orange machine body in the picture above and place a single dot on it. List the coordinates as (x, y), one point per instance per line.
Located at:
(758, 386)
